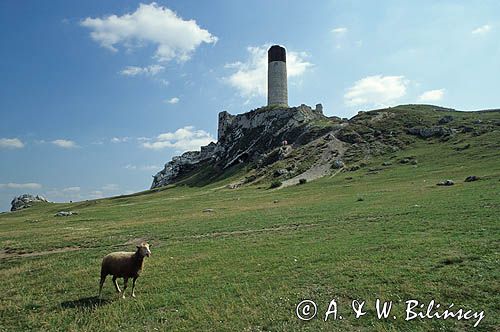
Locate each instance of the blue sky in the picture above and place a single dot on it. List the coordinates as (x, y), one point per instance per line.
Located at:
(97, 95)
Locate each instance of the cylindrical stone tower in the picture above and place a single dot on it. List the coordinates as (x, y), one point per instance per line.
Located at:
(277, 92)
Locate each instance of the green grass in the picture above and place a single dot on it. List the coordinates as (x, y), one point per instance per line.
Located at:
(245, 266)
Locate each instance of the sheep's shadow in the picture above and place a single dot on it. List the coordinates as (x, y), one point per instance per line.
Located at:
(85, 302)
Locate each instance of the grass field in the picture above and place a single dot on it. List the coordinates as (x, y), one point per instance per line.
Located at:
(390, 234)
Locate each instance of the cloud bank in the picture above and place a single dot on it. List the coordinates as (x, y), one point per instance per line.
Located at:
(376, 90)
(173, 100)
(431, 95)
(29, 185)
(173, 37)
(482, 30)
(146, 71)
(11, 143)
(64, 143)
(183, 139)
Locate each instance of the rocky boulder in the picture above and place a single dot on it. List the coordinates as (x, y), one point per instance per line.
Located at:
(446, 183)
(65, 214)
(445, 119)
(471, 178)
(338, 164)
(279, 172)
(427, 132)
(25, 201)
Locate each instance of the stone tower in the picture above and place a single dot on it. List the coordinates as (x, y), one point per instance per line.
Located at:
(277, 91)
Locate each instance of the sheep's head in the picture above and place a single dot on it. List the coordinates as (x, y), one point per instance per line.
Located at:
(143, 249)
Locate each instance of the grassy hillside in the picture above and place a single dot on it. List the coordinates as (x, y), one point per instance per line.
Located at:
(383, 232)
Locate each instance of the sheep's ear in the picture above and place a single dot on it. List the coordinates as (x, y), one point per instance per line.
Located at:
(138, 246)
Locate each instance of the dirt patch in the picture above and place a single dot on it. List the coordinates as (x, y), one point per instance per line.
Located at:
(334, 150)
(13, 253)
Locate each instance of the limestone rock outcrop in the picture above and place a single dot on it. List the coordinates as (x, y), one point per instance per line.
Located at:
(174, 168)
(25, 201)
(246, 137)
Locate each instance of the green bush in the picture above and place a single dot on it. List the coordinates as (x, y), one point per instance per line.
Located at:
(275, 184)
(302, 181)
(250, 178)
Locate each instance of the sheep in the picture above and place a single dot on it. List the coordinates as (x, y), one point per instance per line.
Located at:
(124, 265)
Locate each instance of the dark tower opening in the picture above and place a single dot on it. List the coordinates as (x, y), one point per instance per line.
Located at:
(276, 53)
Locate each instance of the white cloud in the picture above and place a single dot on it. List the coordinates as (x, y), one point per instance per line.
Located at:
(431, 95)
(64, 143)
(482, 30)
(339, 30)
(151, 70)
(250, 77)
(173, 37)
(71, 190)
(120, 139)
(183, 139)
(376, 90)
(29, 185)
(11, 143)
(142, 168)
(173, 100)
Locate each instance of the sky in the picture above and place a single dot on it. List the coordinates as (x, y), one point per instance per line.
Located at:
(96, 96)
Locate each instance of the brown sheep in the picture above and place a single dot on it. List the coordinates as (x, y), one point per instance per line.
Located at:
(124, 265)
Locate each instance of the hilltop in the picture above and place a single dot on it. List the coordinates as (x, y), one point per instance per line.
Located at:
(286, 145)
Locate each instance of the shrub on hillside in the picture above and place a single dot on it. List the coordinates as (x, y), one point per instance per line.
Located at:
(275, 184)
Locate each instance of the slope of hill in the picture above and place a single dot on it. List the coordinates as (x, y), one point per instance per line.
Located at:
(242, 259)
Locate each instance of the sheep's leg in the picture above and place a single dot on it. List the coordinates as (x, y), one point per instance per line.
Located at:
(133, 286)
(125, 282)
(101, 283)
(116, 284)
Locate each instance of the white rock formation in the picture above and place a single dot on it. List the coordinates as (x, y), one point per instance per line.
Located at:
(25, 201)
